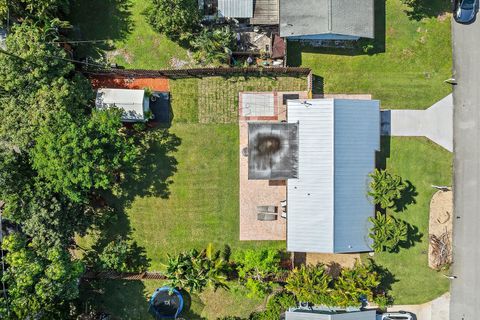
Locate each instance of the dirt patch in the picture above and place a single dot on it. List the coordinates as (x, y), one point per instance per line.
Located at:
(344, 260)
(440, 228)
(444, 16)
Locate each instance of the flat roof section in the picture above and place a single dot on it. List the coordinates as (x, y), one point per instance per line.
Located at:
(272, 151)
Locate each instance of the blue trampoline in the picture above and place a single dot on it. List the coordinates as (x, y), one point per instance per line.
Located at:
(166, 303)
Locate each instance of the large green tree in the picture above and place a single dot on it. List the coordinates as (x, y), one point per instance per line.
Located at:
(177, 19)
(78, 157)
(39, 286)
(48, 218)
(36, 82)
(38, 10)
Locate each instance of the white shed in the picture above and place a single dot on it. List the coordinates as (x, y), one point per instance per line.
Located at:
(134, 103)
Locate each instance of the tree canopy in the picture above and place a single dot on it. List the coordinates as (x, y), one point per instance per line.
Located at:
(36, 82)
(37, 9)
(77, 157)
(39, 287)
(177, 19)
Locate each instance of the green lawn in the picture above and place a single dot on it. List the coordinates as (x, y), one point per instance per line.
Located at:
(128, 300)
(409, 73)
(132, 42)
(423, 164)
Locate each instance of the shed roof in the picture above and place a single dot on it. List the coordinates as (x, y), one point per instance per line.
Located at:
(328, 208)
(235, 8)
(312, 315)
(131, 101)
(341, 17)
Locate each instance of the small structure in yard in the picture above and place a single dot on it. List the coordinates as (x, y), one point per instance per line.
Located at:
(134, 103)
(329, 314)
(166, 303)
(327, 19)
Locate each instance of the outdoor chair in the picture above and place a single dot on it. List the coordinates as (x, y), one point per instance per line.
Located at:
(266, 217)
(267, 209)
(283, 203)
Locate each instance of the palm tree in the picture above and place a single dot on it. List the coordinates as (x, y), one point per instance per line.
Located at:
(386, 188)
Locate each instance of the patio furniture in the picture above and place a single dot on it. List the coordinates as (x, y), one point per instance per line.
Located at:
(266, 217)
(283, 203)
(267, 209)
(284, 213)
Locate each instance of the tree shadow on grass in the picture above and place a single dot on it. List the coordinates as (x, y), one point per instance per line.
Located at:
(387, 279)
(407, 198)
(121, 299)
(99, 20)
(414, 236)
(152, 173)
(420, 9)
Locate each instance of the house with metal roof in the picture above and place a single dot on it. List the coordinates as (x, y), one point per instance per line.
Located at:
(328, 206)
(258, 12)
(134, 103)
(302, 314)
(325, 152)
(327, 19)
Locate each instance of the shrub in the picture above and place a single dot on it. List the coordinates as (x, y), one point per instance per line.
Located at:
(386, 188)
(177, 19)
(195, 270)
(312, 284)
(276, 305)
(214, 45)
(123, 255)
(257, 268)
(387, 232)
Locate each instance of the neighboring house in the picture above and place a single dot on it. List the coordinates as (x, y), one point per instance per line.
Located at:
(258, 12)
(301, 314)
(327, 19)
(325, 152)
(135, 104)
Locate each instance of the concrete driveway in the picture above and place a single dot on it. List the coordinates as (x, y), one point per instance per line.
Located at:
(435, 123)
(437, 309)
(465, 290)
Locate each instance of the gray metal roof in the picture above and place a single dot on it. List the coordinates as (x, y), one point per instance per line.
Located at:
(341, 17)
(272, 150)
(328, 208)
(311, 315)
(235, 8)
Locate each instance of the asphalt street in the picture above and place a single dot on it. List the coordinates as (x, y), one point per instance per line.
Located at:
(465, 289)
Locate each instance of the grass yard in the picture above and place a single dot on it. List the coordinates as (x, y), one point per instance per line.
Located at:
(407, 74)
(423, 163)
(128, 300)
(131, 43)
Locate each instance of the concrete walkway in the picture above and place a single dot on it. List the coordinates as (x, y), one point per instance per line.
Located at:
(437, 309)
(435, 123)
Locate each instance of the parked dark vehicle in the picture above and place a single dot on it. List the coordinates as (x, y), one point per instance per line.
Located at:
(465, 10)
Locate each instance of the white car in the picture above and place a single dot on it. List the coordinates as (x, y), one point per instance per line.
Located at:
(400, 315)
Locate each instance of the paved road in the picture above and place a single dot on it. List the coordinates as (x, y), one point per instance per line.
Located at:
(465, 290)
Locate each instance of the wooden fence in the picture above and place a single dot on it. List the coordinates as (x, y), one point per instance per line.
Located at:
(200, 72)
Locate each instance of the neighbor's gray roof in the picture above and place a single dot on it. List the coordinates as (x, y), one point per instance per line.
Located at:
(133, 102)
(235, 8)
(328, 208)
(312, 17)
(310, 315)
